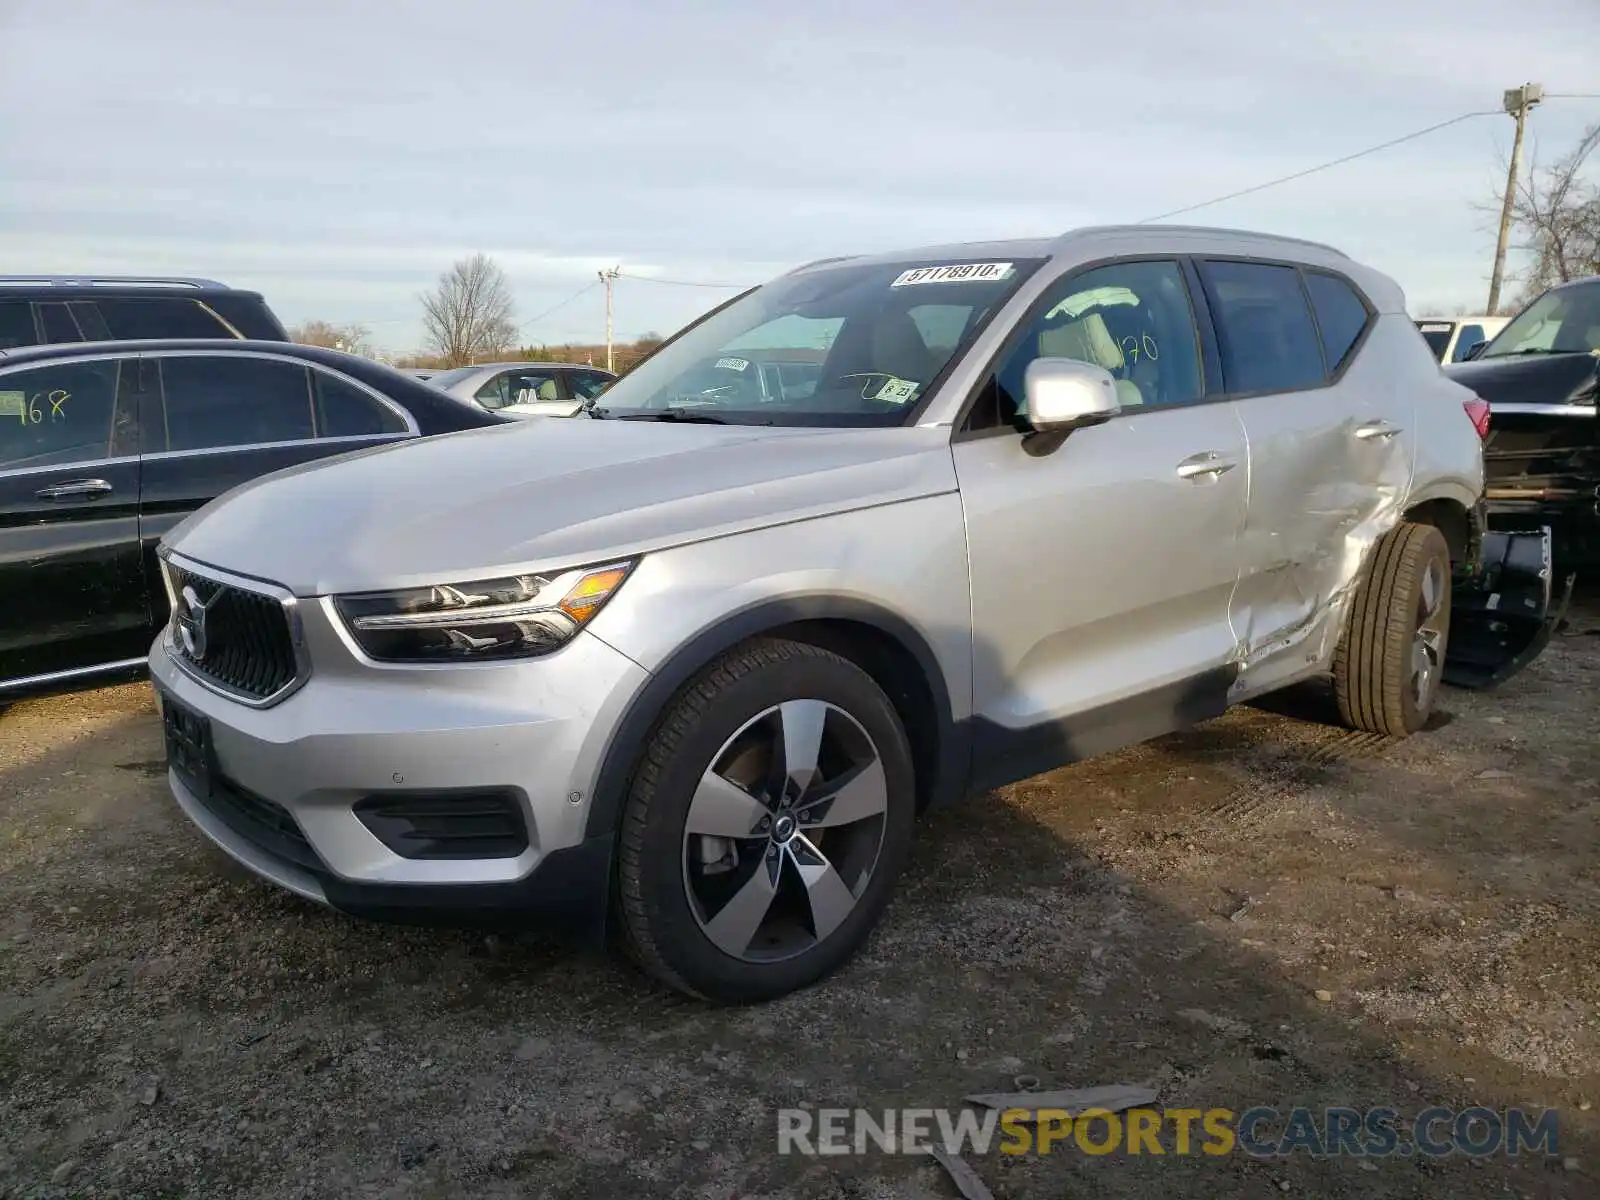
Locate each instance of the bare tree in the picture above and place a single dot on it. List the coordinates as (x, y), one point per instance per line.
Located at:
(468, 314)
(351, 338)
(1557, 217)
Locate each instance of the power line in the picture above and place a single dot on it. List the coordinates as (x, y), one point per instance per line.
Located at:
(681, 282)
(1261, 187)
(557, 308)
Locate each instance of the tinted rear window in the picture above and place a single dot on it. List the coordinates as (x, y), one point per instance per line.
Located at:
(144, 317)
(1268, 341)
(1341, 315)
(215, 401)
(344, 410)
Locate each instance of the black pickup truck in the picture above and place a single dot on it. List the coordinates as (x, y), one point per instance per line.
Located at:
(1541, 377)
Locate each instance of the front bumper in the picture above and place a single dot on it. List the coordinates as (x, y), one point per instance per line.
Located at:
(285, 780)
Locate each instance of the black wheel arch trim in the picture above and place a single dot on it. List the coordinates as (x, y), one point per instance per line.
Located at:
(765, 616)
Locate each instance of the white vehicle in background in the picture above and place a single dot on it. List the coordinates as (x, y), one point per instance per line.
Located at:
(526, 389)
(1452, 338)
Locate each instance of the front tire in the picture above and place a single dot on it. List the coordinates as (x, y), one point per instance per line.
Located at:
(767, 821)
(1390, 661)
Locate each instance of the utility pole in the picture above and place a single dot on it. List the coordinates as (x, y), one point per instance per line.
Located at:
(608, 278)
(1518, 102)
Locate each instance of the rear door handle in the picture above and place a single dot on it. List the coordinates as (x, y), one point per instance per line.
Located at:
(1376, 431)
(1205, 466)
(77, 489)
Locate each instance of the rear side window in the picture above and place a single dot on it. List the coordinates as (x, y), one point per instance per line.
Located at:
(16, 324)
(57, 414)
(1268, 341)
(144, 317)
(344, 410)
(1341, 315)
(215, 401)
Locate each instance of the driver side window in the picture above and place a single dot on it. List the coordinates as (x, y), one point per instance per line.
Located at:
(1132, 318)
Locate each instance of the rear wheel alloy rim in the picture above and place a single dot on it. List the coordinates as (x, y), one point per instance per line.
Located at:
(1427, 644)
(784, 831)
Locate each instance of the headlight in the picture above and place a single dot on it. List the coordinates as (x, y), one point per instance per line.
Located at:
(518, 616)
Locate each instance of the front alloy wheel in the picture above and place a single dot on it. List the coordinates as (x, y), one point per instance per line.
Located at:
(784, 831)
(767, 822)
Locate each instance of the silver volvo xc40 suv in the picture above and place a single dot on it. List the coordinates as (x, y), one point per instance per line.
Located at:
(686, 668)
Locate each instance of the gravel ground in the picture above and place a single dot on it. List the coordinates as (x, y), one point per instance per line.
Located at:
(1265, 910)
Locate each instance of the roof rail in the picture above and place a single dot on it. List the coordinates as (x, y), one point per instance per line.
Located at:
(1215, 230)
(110, 280)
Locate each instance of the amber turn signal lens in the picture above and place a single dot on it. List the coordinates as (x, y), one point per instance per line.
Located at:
(590, 592)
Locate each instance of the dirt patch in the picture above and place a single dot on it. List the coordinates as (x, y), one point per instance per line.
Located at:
(1168, 915)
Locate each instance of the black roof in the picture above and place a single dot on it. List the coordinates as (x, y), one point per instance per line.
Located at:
(44, 287)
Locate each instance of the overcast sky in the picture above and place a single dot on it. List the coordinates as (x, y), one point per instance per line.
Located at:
(338, 155)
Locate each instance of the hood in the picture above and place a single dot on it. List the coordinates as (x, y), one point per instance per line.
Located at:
(1530, 379)
(545, 494)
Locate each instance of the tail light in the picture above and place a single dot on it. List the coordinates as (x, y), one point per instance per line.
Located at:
(1478, 409)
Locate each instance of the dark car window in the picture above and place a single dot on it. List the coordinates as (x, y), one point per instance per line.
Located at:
(1264, 327)
(90, 323)
(344, 410)
(145, 317)
(58, 413)
(1341, 315)
(1436, 335)
(217, 400)
(586, 385)
(1471, 335)
(16, 324)
(58, 324)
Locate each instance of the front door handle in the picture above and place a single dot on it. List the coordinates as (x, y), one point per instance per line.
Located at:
(1376, 431)
(1205, 466)
(78, 489)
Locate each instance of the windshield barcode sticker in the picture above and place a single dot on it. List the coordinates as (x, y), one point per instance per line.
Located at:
(963, 273)
(731, 364)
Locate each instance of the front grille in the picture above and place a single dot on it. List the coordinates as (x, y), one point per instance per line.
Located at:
(237, 639)
(261, 822)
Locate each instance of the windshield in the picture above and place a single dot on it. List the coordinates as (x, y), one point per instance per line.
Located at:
(843, 345)
(1564, 321)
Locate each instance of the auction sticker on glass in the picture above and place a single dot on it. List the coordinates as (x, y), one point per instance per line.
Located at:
(957, 273)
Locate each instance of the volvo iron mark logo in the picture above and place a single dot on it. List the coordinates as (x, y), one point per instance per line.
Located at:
(190, 616)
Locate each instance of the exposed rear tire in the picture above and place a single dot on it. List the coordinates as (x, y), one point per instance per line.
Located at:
(767, 821)
(1390, 661)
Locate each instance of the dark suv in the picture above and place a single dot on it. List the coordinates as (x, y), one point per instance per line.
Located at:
(38, 310)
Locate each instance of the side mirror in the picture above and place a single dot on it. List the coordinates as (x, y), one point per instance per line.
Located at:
(1064, 394)
(1473, 351)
